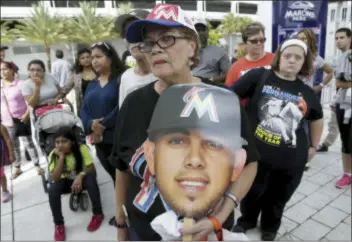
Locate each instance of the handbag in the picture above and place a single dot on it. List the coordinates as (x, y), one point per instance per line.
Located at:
(22, 128)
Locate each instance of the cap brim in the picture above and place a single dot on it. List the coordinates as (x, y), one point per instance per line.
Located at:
(3, 47)
(134, 33)
(229, 141)
(204, 24)
(121, 19)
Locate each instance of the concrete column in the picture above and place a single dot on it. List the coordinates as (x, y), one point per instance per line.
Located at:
(265, 16)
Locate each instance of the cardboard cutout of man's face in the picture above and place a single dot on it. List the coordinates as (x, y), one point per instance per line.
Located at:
(192, 170)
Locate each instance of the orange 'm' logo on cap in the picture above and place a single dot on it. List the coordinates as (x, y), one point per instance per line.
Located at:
(193, 101)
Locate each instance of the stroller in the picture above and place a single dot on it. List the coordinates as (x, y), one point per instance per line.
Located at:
(46, 123)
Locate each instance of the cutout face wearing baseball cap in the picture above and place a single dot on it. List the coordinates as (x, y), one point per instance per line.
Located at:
(169, 40)
(195, 147)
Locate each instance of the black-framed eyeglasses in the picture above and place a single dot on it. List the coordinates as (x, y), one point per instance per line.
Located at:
(100, 44)
(163, 42)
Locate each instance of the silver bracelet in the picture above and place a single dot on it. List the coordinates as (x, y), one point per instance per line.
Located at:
(232, 197)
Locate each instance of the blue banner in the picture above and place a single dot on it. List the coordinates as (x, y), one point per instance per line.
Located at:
(291, 16)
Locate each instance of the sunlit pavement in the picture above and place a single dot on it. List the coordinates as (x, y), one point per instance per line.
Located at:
(317, 211)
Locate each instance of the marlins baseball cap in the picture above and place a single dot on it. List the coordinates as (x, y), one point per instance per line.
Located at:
(209, 109)
(162, 14)
(199, 20)
(136, 14)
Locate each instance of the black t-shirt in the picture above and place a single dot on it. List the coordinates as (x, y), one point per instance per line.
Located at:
(143, 201)
(84, 86)
(277, 113)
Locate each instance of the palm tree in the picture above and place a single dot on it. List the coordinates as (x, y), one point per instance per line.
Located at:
(214, 34)
(232, 24)
(124, 8)
(7, 35)
(88, 27)
(41, 27)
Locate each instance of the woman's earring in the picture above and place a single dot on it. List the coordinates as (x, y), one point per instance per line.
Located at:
(190, 62)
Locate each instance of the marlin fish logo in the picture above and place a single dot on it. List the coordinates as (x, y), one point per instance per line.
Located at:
(193, 101)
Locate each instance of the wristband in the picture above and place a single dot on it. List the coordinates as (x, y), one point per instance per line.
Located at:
(322, 84)
(217, 227)
(232, 197)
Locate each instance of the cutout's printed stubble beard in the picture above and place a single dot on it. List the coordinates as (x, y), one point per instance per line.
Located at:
(196, 213)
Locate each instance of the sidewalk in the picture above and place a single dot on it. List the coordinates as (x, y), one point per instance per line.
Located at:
(317, 210)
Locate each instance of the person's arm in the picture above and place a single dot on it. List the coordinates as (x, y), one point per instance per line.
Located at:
(86, 118)
(110, 119)
(316, 123)
(8, 142)
(244, 182)
(245, 85)
(84, 113)
(315, 131)
(123, 179)
(33, 99)
(329, 73)
(59, 166)
(128, 137)
(25, 116)
(343, 84)
(70, 83)
(223, 65)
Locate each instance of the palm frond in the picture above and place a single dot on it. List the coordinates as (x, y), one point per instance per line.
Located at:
(89, 27)
(7, 36)
(42, 27)
(124, 8)
(233, 24)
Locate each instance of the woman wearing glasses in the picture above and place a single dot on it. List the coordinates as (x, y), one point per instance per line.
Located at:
(253, 36)
(172, 48)
(41, 88)
(100, 104)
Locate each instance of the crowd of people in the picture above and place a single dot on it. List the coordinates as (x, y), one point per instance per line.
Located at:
(127, 114)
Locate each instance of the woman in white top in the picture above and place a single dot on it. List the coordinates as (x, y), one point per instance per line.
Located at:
(308, 36)
(135, 77)
(41, 88)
